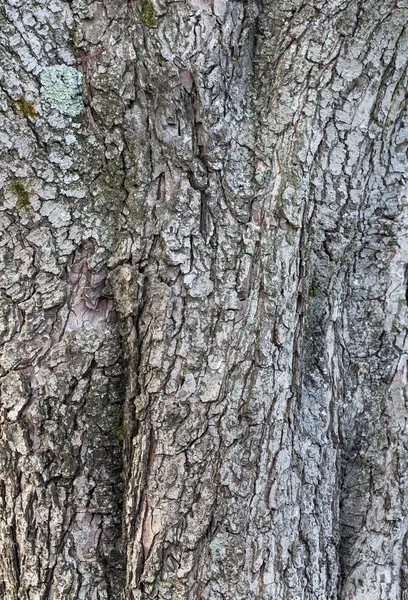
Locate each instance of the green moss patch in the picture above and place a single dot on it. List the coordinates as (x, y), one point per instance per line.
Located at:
(149, 17)
(26, 107)
(18, 189)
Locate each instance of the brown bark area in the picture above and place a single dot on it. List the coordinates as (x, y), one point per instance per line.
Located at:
(216, 249)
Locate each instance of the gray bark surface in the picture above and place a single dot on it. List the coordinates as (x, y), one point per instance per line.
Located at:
(203, 283)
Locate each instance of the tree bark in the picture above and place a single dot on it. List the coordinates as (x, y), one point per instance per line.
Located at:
(204, 300)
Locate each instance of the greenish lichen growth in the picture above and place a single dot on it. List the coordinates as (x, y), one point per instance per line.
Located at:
(26, 107)
(18, 189)
(172, 590)
(61, 87)
(149, 17)
(314, 289)
(120, 431)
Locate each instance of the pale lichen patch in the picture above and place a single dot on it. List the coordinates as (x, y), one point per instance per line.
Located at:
(61, 87)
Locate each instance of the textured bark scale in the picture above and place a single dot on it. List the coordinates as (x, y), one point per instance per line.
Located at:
(203, 295)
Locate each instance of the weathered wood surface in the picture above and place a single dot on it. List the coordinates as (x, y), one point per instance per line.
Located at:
(203, 300)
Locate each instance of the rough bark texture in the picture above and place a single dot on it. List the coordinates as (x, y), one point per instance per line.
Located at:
(203, 288)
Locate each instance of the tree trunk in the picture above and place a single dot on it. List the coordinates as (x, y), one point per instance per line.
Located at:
(204, 300)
